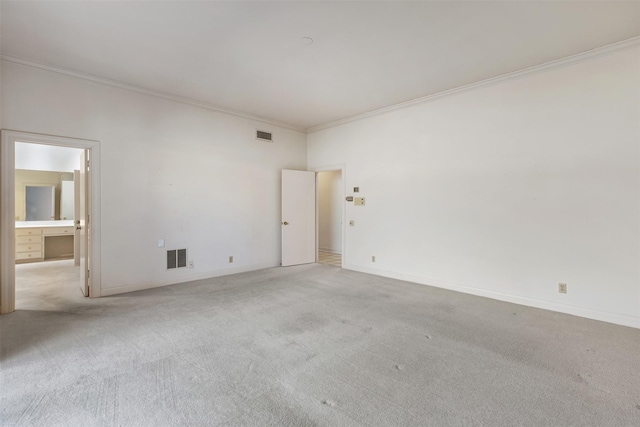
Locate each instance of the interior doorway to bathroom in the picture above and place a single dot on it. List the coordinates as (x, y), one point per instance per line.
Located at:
(36, 245)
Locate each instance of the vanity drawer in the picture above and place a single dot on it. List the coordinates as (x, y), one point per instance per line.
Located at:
(29, 255)
(28, 231)
(28, 239)
(58, 231)
(29, 247)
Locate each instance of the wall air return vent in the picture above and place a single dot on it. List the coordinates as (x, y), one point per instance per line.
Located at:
(264, 136)
(176, 258)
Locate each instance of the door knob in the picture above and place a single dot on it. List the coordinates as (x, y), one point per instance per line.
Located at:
(285, 223)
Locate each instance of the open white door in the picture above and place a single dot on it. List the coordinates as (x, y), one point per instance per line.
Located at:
(76, 217)
(83, 225)
(298, 217)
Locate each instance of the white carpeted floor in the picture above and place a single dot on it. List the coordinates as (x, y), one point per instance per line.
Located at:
(304, 346)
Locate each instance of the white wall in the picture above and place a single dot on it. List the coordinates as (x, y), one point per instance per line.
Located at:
(330, 211)
(0, 65)
(196, 178)
(47, 157)
(505, 190)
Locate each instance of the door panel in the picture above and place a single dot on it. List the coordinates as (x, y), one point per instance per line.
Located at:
(83, 225)
(298, 217)
(76, 217)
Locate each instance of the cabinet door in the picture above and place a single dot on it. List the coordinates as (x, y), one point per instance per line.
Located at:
(28, 231)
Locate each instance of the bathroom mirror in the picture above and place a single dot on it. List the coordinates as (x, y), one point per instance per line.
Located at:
(40, 202)
(43, 195)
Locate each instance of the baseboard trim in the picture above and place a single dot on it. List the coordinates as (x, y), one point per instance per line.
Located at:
(117, 290)
(603, 316)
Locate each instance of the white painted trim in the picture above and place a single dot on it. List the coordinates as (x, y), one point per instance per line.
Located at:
(632, 42)
(146, 91)
(618, 319)
(629, 43)
(342, 167)
(185, 278)
(7, 225)
(7, 211)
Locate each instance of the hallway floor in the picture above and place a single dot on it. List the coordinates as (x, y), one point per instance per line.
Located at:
(329, 258)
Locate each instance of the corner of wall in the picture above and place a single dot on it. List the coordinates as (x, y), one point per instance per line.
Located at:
(498, 186)
(0, 67)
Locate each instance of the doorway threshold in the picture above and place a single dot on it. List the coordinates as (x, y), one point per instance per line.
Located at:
(330, 258)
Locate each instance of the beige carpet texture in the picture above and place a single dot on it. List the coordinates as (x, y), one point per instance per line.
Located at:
(311, 345)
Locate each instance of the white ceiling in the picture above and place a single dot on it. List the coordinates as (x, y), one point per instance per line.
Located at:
(40, 157)
(249, 56)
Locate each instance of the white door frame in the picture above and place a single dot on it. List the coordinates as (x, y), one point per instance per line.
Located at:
(343, 168)
(8, 208)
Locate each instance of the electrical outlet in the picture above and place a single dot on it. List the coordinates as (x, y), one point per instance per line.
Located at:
(190, 264)
(373, 258)
(230, 259)
(562, 288)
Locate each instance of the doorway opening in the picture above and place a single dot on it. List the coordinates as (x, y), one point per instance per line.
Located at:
(313, 216)
(48, 245)
(46, 188)
(329, 217)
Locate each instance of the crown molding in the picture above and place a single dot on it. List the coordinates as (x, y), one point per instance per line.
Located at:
(600, 51)
(558, 63)
(140, 89)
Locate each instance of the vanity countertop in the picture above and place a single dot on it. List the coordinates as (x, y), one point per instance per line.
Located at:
(35, 224)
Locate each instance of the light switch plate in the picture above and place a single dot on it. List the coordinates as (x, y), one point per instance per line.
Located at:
(358, 201)
(161, 243)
